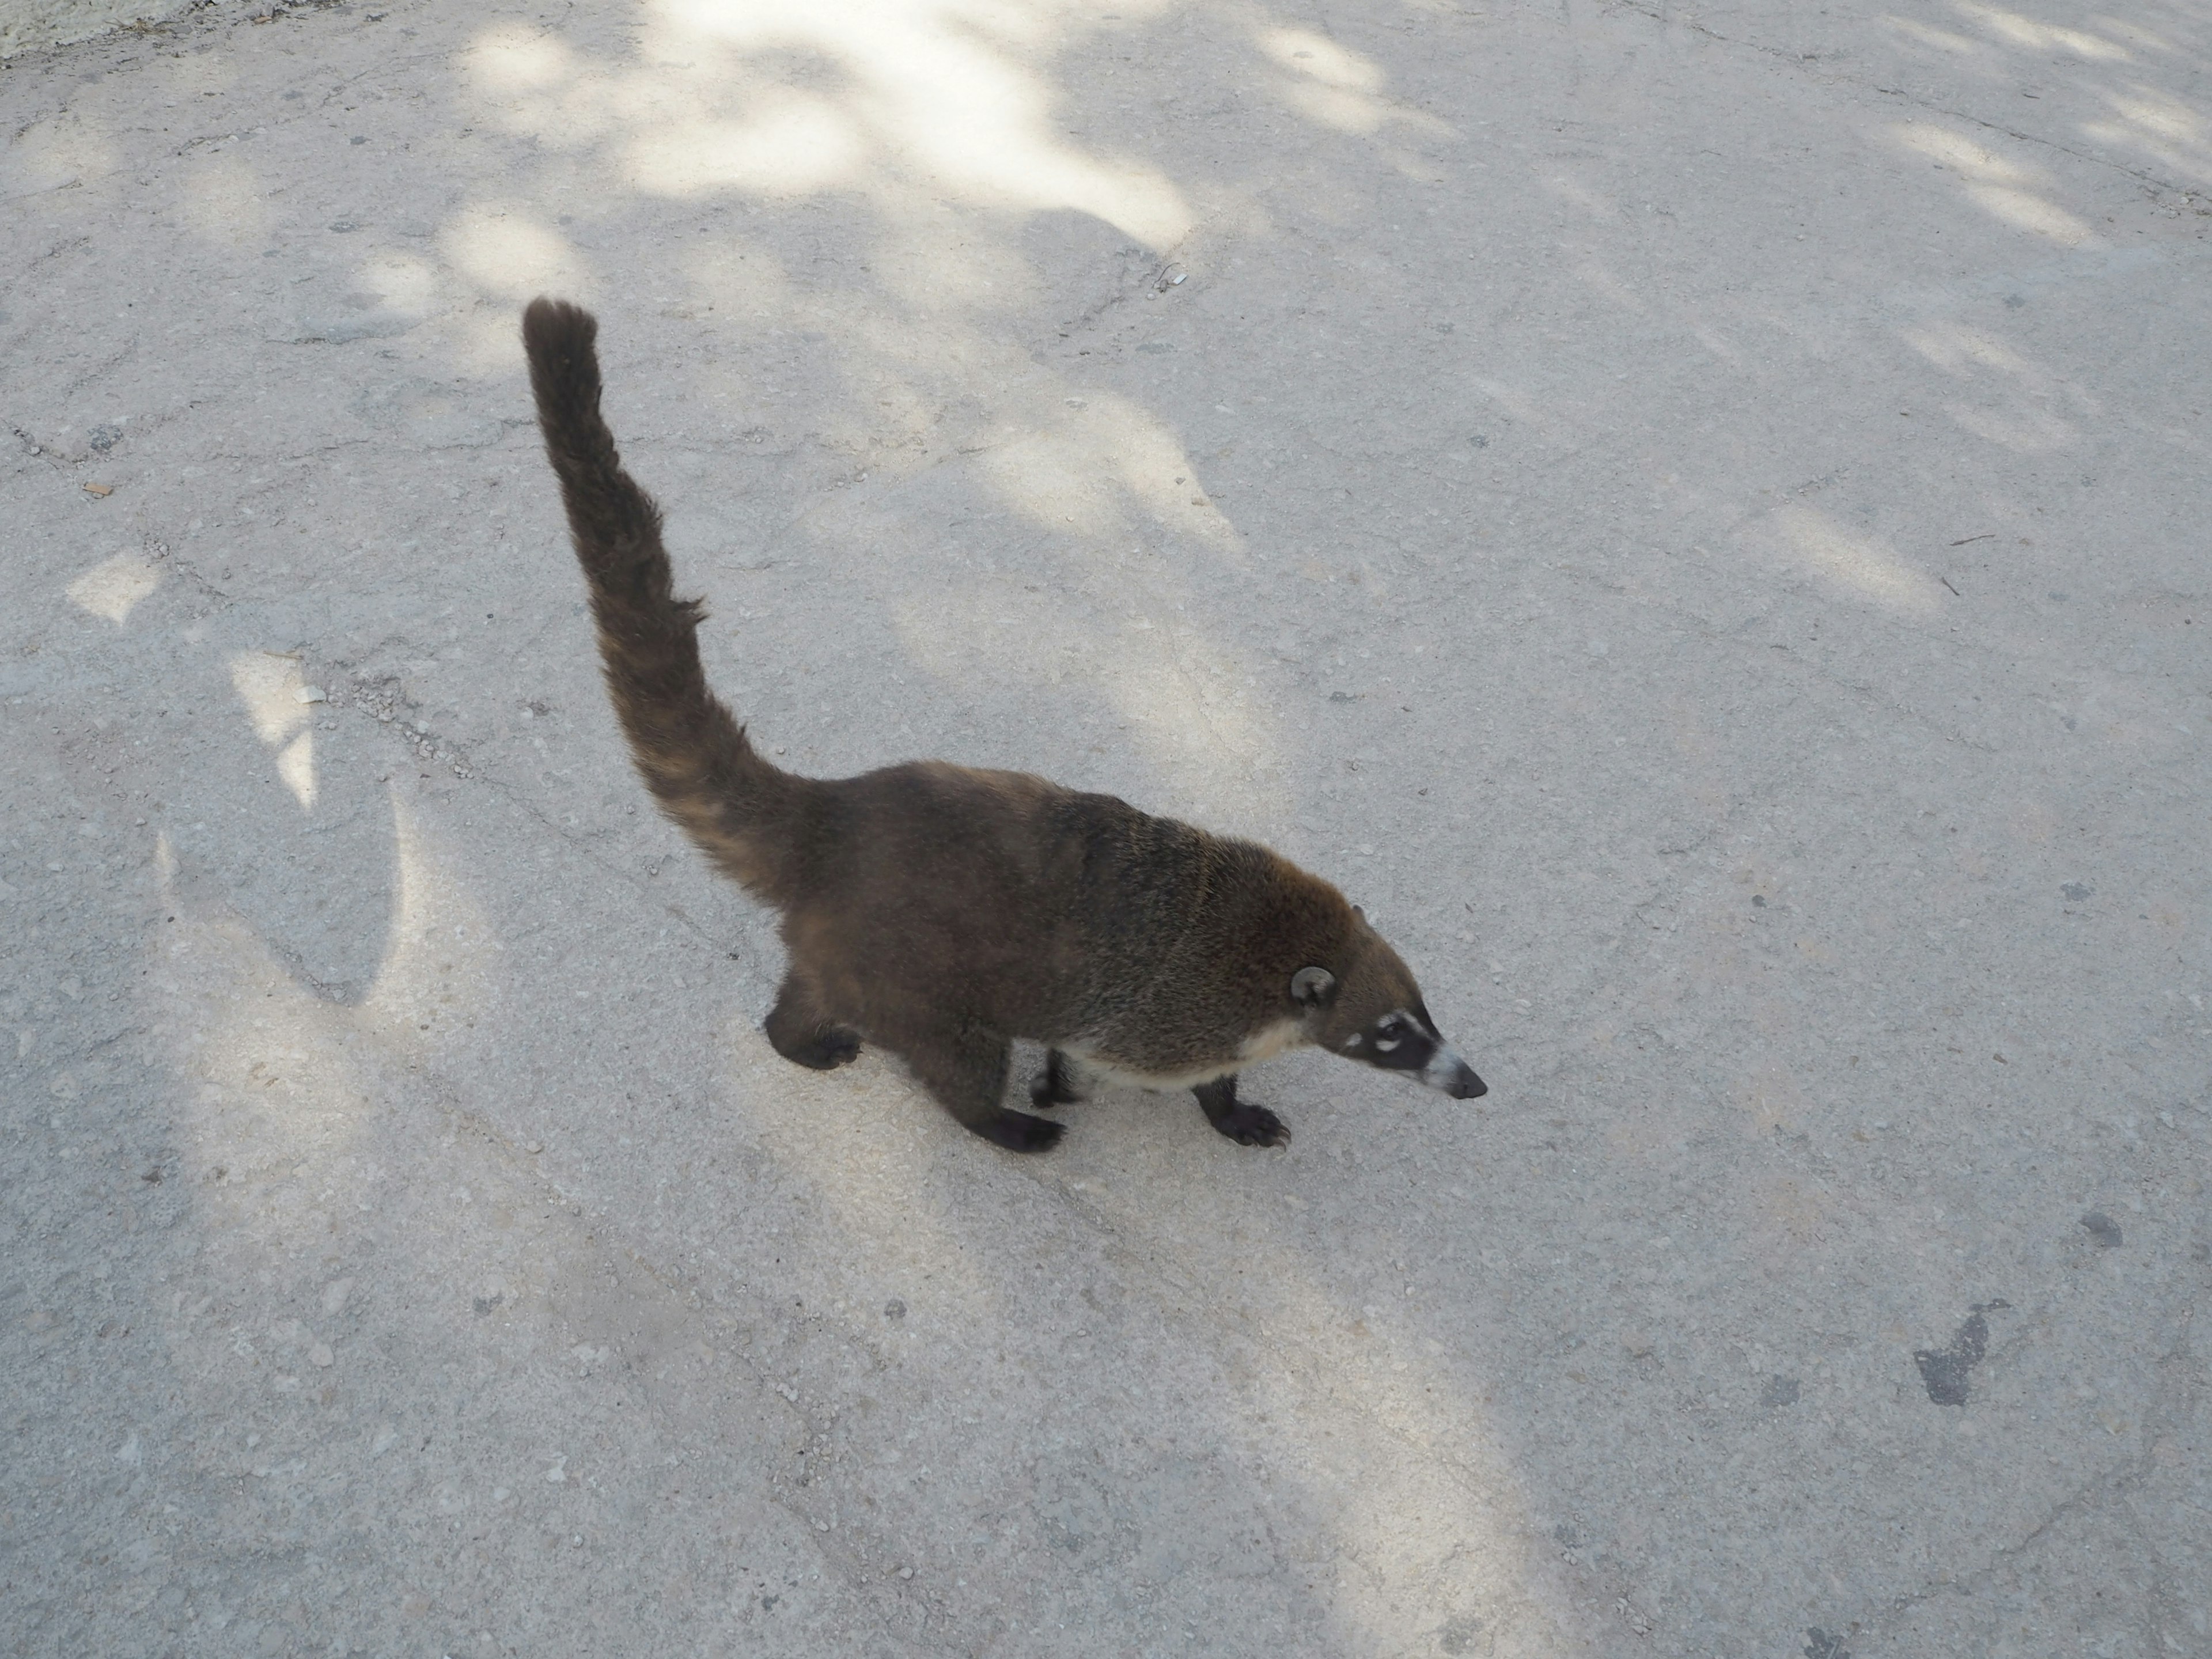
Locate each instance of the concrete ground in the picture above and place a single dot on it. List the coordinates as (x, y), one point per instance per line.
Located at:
(1696, 516)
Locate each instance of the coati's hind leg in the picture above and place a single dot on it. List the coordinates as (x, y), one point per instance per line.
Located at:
(1242, 1122)
(800, 1031)
(1056, 1085)
(966, 1070)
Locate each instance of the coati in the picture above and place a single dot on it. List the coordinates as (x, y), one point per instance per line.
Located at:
(941, 912)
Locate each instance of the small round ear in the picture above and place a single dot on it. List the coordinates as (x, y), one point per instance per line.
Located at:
(1314, 986)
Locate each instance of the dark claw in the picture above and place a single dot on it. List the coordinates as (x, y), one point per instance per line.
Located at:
(1254, 1126)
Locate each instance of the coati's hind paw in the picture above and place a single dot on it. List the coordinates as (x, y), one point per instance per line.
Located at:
(823, 1050)
(1054, 1086)
(1253, 1126)
(1018, 1132)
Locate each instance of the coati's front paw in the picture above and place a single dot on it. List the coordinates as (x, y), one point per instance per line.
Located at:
(1018, 1132)
(1253, 1126)
(825, 1050)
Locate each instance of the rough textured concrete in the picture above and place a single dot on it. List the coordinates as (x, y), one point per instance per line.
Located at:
(27, 25)
(1695, 517)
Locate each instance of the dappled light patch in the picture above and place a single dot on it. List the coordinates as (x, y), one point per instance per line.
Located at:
(2029, 431)
(222, 201)
(513, 253)
(275, 1091)
(2160, 125)
(1856, 564)
(404, 282)
(1106, 467)
(1302, 52)
(435, 977)
(280, 705)
(912, 99)
(1334, 87)
(51, 153)
(2030, 211)
(2005, 189)
(1928, 35)
(2014, 29)
(2022, 411)
(792, 143)
(111, 588)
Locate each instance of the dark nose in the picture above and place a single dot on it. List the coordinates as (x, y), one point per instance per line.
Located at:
(1466, 1085)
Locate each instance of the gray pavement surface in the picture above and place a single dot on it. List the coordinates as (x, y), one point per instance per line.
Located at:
(26, 24)
(1694, 515)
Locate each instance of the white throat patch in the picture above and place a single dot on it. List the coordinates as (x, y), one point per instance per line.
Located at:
(1263, 1044)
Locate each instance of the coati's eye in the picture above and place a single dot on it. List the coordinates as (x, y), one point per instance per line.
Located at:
(1394, 1031)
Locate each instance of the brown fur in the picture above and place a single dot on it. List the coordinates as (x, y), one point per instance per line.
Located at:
(938, 910)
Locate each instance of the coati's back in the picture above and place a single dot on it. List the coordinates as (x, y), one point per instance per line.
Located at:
(1066, 918)
(941, 911)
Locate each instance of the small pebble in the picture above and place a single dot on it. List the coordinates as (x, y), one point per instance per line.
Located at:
(321, 1357)
(310, 694)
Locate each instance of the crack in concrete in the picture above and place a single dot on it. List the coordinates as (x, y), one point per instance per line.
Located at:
(1871, 702)
(2093, 1495)
(516, 796)
(1799, 60)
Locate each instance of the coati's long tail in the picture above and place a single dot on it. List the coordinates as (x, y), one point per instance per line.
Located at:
(694, 755)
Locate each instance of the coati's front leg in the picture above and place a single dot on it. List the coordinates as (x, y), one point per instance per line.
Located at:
(800, 1030)
(1056, 1085)
(966, 1070)
(1242, 1122)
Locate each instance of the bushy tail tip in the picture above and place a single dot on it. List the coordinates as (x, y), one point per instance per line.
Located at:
(558, 333)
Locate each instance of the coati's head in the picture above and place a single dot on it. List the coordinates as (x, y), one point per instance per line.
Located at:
(1365, 1007)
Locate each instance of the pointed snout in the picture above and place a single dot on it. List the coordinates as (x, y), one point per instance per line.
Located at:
(1448, 1072)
